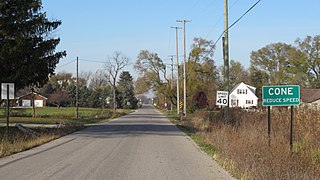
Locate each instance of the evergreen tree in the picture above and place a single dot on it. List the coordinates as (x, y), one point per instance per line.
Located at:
(126, 91)
(27, 47)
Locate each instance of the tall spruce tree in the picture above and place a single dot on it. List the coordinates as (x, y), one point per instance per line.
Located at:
(27, 45)
(126, 90)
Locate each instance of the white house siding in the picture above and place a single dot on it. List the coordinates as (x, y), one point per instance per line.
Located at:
(243, 96)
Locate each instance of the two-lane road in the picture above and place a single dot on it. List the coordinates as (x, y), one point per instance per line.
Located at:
(142, 145)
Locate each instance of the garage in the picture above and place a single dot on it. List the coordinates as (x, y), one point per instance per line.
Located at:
(26, 100)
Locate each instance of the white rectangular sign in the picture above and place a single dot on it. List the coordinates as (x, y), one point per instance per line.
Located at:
(222, 98)
(4, 88)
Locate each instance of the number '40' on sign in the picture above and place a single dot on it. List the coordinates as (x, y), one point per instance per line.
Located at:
(222, 101)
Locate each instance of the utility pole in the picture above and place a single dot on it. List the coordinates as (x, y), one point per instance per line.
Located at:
(226, 56)
(77, 90)
(171, 83)
(177, 59)
(184, 67)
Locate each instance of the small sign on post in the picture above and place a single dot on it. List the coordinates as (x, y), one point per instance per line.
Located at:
(4, 90)
(222, 98)
(7, 92)
(181, 111)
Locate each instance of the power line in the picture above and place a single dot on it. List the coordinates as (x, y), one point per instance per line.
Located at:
(65, 64)
(202, 10)
(192, 7)
(81, 60)
(95, 61)
(220, 18)
(231, 27)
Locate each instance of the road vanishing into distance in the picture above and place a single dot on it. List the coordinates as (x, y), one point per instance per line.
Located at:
(141, 146)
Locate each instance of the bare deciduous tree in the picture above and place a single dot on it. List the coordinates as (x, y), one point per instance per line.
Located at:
(98, 79)
(114, 65)
(86, 75)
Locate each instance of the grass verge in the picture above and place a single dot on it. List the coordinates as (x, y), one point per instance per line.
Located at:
(204, 145)
(19, 141)
(241, 144)
(50, 115)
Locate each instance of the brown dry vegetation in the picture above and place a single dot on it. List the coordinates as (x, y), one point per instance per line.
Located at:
(243, 143)
(19, 141)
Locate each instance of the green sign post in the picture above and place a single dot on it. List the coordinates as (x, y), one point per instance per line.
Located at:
(281, 95)
(287, 95)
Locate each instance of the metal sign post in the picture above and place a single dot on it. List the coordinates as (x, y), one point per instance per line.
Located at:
(7, 92)
(8, 108)
(291, 129)
(269, 125)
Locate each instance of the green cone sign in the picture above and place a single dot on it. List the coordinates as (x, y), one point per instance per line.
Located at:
(288, 95)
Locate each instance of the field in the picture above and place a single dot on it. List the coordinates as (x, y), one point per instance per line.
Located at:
(18, 141)
(242, 145)
(64, 115)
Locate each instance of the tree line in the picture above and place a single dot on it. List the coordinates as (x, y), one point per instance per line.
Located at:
(94, 90)
(273, 64)
(28, 58)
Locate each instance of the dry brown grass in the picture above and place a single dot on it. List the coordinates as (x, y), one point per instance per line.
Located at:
(244, 148)
(19, 141)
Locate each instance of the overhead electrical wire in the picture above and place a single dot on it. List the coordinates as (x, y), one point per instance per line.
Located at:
(220, 19)
(95, 61)
(65, 64)
(230, 28)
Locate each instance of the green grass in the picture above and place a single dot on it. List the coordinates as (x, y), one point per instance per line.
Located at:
(208, 148)
(66, 115)
(53, 112)
(19, 141)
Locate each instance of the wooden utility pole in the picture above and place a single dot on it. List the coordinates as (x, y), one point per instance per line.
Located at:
(226, 55)
(184, 67)
(177, 59)
(77, 90)
(171, 83)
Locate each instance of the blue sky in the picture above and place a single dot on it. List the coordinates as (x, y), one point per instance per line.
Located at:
(93, 30)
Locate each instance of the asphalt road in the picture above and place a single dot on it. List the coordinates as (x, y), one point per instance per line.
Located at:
(142, 146)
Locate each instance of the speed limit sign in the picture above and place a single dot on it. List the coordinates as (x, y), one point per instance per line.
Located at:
(222, 98)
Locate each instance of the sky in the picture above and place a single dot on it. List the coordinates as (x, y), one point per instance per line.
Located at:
(93, 30)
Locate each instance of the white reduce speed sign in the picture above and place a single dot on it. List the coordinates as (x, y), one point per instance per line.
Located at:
(222, 98)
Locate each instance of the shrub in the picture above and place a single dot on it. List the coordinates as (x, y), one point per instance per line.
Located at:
(244, 147)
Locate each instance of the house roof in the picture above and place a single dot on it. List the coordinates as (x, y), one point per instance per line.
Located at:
(251, 88)
(309, 95)
(235, 87)
(32, 93)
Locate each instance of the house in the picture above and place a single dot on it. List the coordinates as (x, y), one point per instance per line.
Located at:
(243, 95)
(25, 100)
(310, 97)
